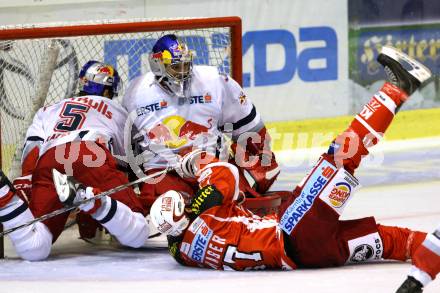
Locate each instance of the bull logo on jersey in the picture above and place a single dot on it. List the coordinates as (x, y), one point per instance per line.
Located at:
(175, 132)
(339, 194)
(242, 98)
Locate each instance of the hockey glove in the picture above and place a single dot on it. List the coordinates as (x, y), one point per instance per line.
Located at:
(264, 170)
(187, 165)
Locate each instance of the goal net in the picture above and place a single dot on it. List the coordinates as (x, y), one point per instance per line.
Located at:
(39, 64)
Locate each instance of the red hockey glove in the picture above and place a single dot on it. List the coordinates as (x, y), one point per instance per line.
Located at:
(262, 170)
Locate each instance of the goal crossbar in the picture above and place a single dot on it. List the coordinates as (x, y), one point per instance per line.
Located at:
(233, 22)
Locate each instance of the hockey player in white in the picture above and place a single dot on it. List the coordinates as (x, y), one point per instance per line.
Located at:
(179, 105)
(74, 136)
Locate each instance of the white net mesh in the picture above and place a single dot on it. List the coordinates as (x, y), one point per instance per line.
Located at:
(22, 61)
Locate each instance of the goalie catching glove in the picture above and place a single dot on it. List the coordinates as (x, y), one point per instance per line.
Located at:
(257, 161)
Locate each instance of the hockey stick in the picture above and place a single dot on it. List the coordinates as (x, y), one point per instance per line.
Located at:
(77, 204)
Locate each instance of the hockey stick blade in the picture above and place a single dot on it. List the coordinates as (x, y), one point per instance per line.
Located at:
(77, 204)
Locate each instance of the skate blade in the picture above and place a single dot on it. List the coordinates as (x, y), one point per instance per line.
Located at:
(61, 185)
(417, 69)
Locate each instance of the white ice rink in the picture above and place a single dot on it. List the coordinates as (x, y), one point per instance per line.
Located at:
(403, 190)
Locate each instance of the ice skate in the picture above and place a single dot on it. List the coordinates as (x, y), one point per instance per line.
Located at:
(66, 187)
(403, 71)
(410, 285)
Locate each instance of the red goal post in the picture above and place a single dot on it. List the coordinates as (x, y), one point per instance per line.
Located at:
(39, 63)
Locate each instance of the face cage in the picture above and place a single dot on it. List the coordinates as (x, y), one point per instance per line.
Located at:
(179, 71)
(176, 86)
(93, 88)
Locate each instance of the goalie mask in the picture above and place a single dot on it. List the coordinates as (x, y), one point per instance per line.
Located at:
(95, 77)
(168, 213)
(171, 63)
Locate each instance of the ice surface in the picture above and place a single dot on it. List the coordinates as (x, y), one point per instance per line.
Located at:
(403, 190)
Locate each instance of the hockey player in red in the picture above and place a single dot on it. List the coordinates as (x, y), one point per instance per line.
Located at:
(74, 136)
(179, 105)
(213, 230)
(426, 264)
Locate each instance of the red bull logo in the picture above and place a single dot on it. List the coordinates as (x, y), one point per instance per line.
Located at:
(339, 194)
(175, 131)
(242, 98)
(106, 69)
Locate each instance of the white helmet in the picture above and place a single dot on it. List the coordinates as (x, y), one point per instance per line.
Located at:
(168, 213)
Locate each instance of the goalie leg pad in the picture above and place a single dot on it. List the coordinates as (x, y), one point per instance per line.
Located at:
(31, 243)
(130, 228)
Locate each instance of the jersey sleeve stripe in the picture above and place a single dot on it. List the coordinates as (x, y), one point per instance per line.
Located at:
(255, 126)
(22, 208)
(110, 213)
(34, 138)
(83, 133)
(244, 121)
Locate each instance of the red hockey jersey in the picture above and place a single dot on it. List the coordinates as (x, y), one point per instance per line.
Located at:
(228, 236)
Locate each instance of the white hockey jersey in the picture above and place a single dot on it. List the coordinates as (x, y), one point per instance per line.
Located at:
(79, 118)
(216, 104)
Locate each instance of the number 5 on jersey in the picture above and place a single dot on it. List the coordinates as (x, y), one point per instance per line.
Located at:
(72, 116)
